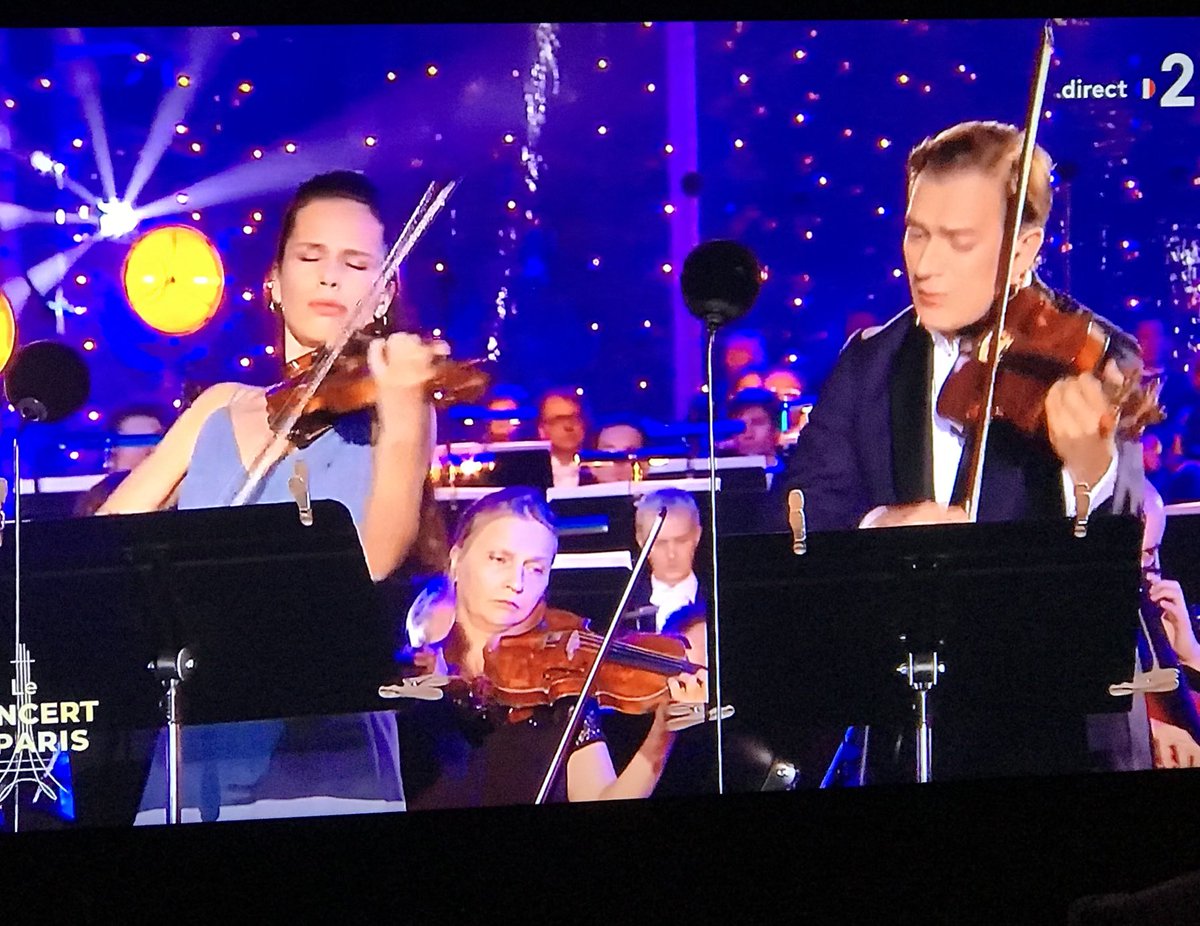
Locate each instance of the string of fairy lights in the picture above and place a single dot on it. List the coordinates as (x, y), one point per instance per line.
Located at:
(804, 131)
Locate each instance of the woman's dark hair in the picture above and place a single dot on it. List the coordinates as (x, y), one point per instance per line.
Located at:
(338, 184)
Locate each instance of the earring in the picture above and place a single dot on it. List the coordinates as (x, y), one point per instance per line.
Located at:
(273, 305)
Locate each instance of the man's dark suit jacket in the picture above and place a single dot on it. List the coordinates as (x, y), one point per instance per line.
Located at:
(868, 441)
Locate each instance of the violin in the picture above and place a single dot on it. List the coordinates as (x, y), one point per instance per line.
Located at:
(1046, 338)
(1032, 341)
(349, 387)
(552, 661)
(306, 393)
(1177, 707)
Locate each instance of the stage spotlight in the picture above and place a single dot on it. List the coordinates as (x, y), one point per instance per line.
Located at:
(117, 219)
(41, 162)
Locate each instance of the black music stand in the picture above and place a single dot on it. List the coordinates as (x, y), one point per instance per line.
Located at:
(1029, 624)
(592, 592)
(278, 620)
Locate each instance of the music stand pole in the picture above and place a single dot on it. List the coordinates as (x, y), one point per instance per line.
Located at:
(171, 671)
(922, 671)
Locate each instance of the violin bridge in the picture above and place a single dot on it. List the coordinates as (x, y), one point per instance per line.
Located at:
(985, 346)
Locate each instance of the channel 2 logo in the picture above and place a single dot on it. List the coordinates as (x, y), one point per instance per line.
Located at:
(1172, 96)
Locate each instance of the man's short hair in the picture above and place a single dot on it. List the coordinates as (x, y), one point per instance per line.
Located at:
(756, 398)
(560, 393)
(142, 410)
(670, 498)
(992, 148)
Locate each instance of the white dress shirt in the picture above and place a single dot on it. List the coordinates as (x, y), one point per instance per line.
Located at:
(948, 442)
(565, 474)
(670, 598)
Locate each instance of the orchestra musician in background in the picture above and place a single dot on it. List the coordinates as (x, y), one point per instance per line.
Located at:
(376, 462)
(617, 437)
(467, 750)
(501, 430)
(561, 421)
(672, 583)
(759, 411)
(1172, 746)
(132, 421)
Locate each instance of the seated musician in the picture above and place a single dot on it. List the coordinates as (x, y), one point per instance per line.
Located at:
(875, 451)
(561, 421)
(788, 386)
(501, 430)
(1173, 747)
(618, 436)
(330, 251)
(671, 583)
(743, 359)
(466, 750)
(119, 461)
(759, 412)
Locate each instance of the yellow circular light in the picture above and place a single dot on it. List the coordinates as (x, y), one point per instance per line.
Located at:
(173, 279)
(8, 330)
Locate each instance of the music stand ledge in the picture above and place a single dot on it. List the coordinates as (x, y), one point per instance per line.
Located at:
(1029, 623)
(277, 619)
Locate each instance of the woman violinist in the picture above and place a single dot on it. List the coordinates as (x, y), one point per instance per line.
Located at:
(375, 462)
(484, 753)
(331, 247)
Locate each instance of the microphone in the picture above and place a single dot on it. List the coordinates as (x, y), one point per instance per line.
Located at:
(47, 381)
(720, 281)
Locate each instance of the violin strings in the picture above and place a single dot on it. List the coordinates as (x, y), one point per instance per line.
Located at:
(648, 658)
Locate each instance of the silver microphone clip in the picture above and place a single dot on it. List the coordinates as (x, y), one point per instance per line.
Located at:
(3, 499)
(298, 486)
(796, 522)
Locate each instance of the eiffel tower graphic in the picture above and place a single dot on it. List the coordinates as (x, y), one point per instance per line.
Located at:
(25, 763)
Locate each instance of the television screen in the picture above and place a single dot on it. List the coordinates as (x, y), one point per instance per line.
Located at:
(290, 256)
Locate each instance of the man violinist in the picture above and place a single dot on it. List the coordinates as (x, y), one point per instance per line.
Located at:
(875, 452)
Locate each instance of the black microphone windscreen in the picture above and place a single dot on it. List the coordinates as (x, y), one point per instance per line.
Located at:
(47, 381)
(720, 281)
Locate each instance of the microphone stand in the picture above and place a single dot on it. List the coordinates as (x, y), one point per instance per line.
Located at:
(712, 322)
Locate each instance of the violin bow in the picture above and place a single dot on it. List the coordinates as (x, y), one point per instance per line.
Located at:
(579, 706)
(1012, 232)
(427, 210)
